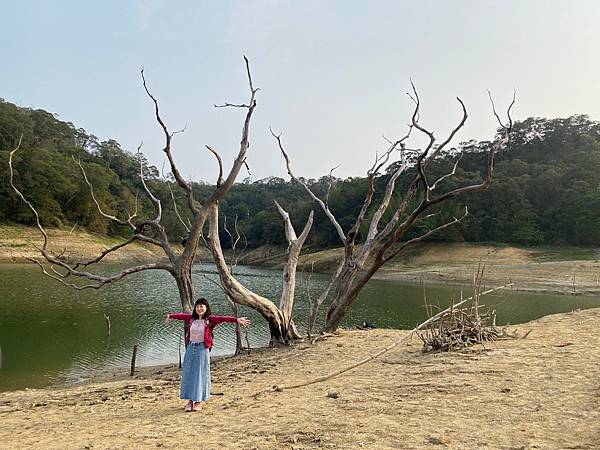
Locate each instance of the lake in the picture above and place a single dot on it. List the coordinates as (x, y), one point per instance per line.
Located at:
(51, 334)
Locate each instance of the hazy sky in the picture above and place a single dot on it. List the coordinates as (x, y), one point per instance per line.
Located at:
(333, 74)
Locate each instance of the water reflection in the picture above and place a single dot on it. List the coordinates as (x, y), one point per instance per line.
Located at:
(51, 334)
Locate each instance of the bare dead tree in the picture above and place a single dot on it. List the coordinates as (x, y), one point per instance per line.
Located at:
(179, 265)
(295, 244)
(151, 231)
(384, 242)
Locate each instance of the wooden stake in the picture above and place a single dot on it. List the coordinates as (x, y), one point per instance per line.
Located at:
(179, 349)
(135, 347)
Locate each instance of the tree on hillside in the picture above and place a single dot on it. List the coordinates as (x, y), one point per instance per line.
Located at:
(52, 182)
(385, 241)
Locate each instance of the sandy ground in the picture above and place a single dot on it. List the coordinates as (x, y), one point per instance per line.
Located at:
(541, 391)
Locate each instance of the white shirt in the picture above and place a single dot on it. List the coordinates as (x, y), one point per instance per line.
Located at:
(197, 330)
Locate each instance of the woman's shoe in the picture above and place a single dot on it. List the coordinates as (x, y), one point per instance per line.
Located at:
(198, 406)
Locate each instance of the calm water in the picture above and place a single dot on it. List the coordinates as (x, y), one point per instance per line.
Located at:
(51, 334)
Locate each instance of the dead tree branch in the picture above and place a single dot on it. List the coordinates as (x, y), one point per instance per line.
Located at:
(167, 149)
(323, 206)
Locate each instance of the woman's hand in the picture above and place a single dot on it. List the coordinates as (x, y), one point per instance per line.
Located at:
(168, 318)
(243, 321)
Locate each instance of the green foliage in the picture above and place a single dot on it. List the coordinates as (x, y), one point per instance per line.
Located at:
(46, 171)
(545, 191)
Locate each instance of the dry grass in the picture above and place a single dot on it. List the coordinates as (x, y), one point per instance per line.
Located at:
(17, 243)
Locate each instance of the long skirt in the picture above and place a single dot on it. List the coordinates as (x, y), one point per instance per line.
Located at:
(195, 373)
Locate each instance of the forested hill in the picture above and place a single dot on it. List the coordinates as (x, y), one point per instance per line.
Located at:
(546, 186)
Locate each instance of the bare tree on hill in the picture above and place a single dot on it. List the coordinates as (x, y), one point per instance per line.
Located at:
(385, 241)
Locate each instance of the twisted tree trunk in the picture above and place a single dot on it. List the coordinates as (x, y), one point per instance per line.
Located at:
(237, 292)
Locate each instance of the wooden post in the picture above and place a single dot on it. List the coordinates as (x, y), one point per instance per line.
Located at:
(135, 347)
(179, 348)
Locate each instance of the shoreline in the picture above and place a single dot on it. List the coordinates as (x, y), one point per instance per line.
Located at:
(537, 391)
(529, 270)
(544, 278)
(576, 277)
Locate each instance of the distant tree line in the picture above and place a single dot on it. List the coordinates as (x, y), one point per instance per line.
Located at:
(546, 186)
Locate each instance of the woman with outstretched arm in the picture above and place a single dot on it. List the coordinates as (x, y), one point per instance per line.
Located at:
(195, 372)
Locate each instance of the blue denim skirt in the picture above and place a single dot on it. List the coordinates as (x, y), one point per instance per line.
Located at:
(195, 373)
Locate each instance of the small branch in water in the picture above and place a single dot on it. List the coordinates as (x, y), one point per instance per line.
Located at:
(107, 325)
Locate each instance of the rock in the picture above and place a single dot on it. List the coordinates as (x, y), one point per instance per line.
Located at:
(435, 440)
(333, 394)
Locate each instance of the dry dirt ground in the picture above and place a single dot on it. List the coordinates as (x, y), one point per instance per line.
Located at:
(537, 392)
(17, 244)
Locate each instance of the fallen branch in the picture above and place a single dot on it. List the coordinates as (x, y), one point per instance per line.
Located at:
(381, 352)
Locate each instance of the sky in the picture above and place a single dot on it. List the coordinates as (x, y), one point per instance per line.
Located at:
(333, 74)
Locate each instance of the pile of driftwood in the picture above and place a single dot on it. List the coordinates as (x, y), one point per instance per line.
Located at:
(460, 328)
(463, 326)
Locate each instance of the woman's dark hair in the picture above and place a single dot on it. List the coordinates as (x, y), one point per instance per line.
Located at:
(201, 301)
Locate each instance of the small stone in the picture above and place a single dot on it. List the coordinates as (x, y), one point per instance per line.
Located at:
(333, 394)
(435, 440)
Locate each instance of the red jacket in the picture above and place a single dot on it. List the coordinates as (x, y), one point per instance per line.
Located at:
(211, 322)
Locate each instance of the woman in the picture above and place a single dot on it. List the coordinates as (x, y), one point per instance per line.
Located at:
(195, 373)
